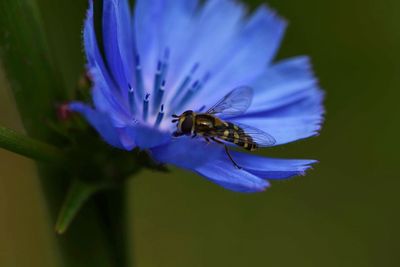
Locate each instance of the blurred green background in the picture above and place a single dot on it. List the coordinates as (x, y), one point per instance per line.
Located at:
(343, 213)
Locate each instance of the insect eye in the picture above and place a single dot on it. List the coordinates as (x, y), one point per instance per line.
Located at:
(187, 124)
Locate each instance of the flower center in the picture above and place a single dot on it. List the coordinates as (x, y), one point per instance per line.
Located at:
(158, 105)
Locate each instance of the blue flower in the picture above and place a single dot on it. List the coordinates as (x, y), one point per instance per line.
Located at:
(172, 56)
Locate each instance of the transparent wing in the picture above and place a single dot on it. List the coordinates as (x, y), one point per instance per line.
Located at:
(258, 137)
(261, 138)
(234, 103)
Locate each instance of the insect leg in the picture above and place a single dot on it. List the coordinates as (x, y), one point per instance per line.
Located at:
(176, 134)
(216, 140)
(230, 157)
(227, 152)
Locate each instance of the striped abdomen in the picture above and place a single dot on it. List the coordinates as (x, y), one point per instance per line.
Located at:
(232, 133)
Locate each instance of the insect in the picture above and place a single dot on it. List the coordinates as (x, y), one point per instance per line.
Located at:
(211, 127)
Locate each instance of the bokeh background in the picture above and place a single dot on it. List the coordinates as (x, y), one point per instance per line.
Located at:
(345, 212)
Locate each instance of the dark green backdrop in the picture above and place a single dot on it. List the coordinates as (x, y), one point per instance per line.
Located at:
(343, 213)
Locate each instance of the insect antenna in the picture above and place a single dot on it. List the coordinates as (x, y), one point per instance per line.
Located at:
(175, 118)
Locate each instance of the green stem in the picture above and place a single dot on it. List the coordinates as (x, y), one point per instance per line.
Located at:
(28, 147)
(112, 206)
(36, 85)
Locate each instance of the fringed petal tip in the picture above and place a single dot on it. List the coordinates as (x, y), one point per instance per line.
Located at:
(273, 15)
(272, 168)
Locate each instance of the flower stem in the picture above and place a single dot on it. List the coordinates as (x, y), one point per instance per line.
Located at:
(37, 86)
(112, 205)
(28, 147)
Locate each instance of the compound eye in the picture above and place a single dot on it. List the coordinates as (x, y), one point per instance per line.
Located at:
(187, 125)
(188, 113)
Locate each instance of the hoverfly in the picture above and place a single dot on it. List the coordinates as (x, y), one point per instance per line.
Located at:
(212, 128)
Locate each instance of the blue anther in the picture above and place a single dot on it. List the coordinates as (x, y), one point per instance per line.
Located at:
(146, 107)
(139, 78)
(157, 78)
(194, 68)
(195, 85)
(202, 108)
(164, 66)
(166, 54)
(186, 81)
(188, 95)
(158, 97)
(131, 96)
(159, 116)
(164, 69)
(183, 85)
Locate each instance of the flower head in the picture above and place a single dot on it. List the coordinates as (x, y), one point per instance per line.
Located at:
(178, 55)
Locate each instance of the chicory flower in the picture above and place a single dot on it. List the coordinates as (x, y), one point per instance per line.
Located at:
(175, 55)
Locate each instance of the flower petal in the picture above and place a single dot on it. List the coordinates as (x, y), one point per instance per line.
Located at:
(118, 42)
(160, 26)
(148, 16)
(145, 136)
(186, 152)
(218, 21)
(288, 102)
(107, 102)
(285, 129)
(246, 55)
(284, 83)
(93, 55)
(103, 124)
(210, 161)
(272, 168)
(224, 173)
(105, 96)
(177, 15)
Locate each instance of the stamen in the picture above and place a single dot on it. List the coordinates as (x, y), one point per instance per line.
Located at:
(131, 96)
(159, 81)
(206, 77)
(158, 96)
(159, 116)
(139, 78)
(202, 108)
(157, 78)
(196, 87)
(194, 68)
(164, 67)
(186, 81)
(146, 107)
(189, 94)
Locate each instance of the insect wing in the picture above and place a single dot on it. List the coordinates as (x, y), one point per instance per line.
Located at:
(261, 138)
(234, 103)
(258, 137)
